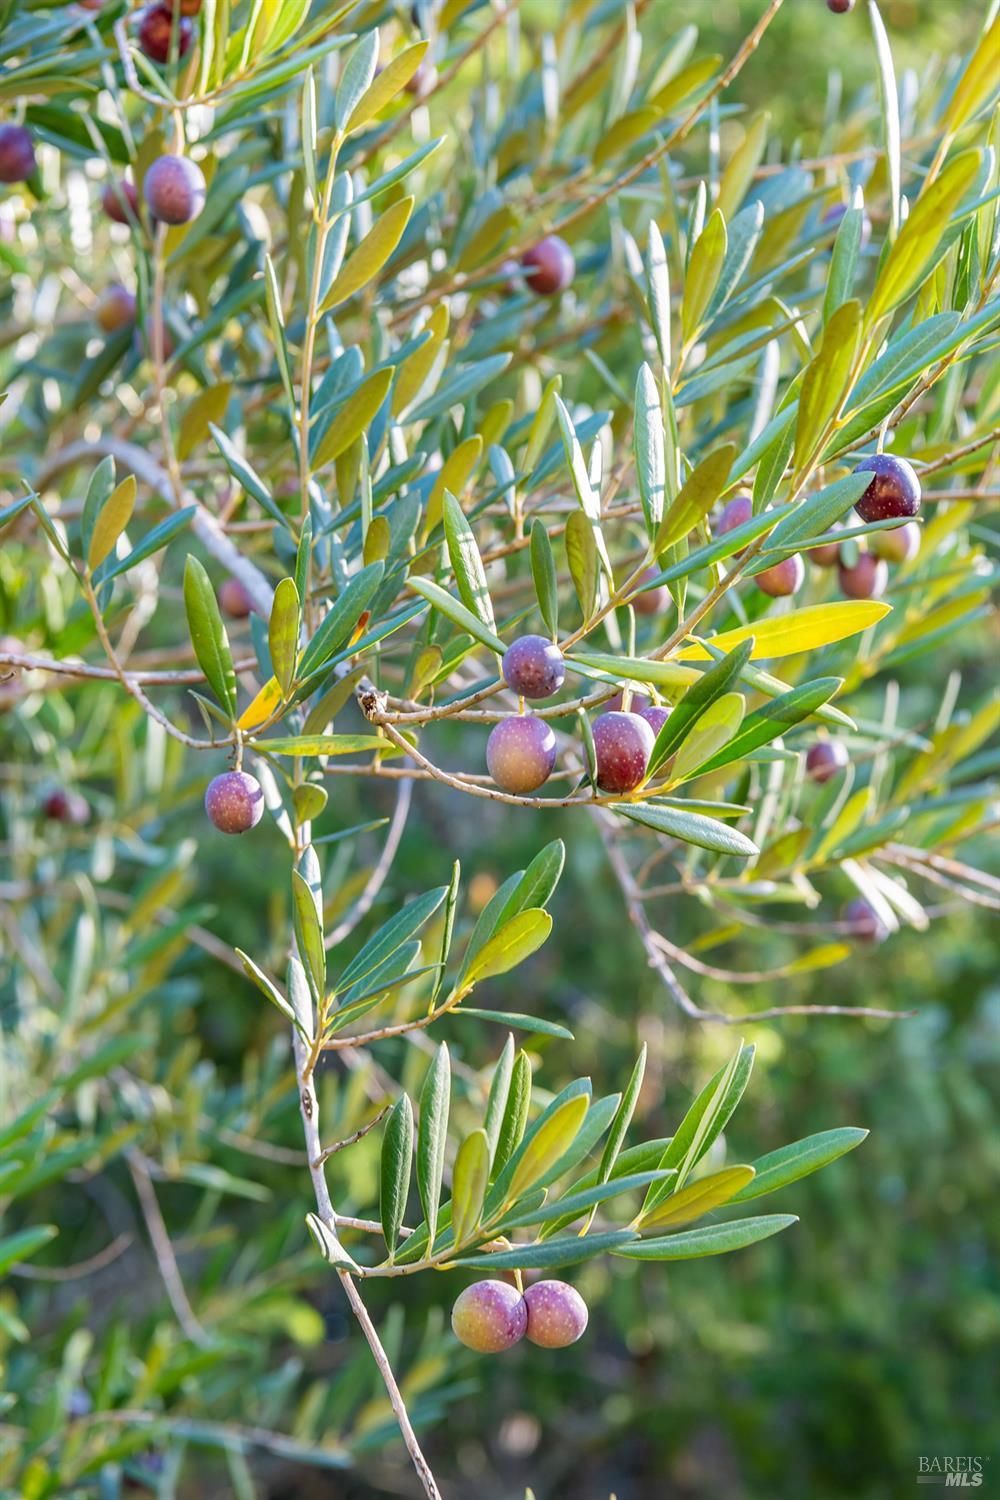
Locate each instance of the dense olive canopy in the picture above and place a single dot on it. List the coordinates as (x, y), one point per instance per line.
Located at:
(527, 469)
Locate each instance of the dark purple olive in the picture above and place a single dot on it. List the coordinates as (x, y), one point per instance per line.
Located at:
(826, 759)
(785, 578)
(622, 745)
(17, 153)
(549, 266)
(655, 715)
(174, 190)
(866, 580)
(156, 29)
(735, 512)
(894, 490)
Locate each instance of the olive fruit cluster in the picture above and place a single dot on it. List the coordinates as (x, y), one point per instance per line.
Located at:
(521, 750)
(491, 1316)
(893, 494)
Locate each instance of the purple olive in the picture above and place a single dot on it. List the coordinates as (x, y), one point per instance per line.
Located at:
(534, 667)
(622, 744)
(864, 921)
(825, 760)
(549, 266)
(826, 555)
(650, 601)
(234, 802)
(785, 578)
(156, 28)
(894, 491)
(174, 189)
(63, 806)
(115, 309)
(114, 198)
(640, 702)
(17, 153)
(866, 580)
(557, 1314)
(234, 599)
(735, 512)
(897, 545)
(489, 1316)
(656, 715)
(520, 753)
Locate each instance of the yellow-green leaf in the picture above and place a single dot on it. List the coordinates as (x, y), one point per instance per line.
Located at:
(415, 370)
(487, 237)
(548, 1143)
(625, 130)
(704, 267)
(697, 496)
(826, 380)
(743, 163)
(469, 1180)
(904, 266)
(699, 1197)
(386, 85)
(802, 630)
(687, 80)
(714, 729)
(516, 941)
(978, 81)
(353, 417)
(207, 407)
(283, 631)
(453, 475)
(367, 259)
(263, 706)
(114, 516)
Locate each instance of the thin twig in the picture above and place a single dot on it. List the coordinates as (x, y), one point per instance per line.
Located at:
(81, 1268)
(164, 1250)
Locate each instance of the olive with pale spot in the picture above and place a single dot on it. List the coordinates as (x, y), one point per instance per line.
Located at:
(549, 266)
(234, 802)
(622, 745)
(489, 1316)
(557, 1314)
(534, 667)
(520, 753)
(894, 489)
(174, 189)
(784, 579)
(655, 715)
(825, 759)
